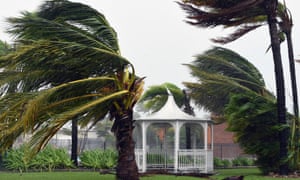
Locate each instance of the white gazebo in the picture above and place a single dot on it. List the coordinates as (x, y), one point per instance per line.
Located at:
(174, 141)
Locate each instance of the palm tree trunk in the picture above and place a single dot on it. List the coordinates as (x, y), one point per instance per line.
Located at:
(295, 140)
(189, 110)
(74, 142)
(270, 7)
(123, 128)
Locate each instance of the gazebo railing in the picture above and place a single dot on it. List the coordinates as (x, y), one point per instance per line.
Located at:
(139, 158)
(194, 159)
(188, 160)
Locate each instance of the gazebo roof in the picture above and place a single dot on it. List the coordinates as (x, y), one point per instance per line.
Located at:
(170, 111)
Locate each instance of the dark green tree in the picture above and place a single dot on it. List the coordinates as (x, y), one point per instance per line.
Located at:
(253, 120)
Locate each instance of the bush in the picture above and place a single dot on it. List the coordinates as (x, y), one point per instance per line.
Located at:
(226, 163)
(239, 161)
(98, 159)
(17, 159)
(49, 158)
(218, 163)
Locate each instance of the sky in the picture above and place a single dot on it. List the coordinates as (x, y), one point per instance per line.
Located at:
(154, 37)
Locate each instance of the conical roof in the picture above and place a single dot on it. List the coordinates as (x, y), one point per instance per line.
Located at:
(170, 111)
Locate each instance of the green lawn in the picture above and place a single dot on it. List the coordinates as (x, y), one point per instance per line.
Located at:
(250, 174)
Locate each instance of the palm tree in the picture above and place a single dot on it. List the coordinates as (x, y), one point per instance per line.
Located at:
(219, 73)
(156, 96)
(244, 15)
(67, 66)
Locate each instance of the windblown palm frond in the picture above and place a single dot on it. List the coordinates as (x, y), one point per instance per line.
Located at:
(156, 96)
(244, 16)
(219, 73)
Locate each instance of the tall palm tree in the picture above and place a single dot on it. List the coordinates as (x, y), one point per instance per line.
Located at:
(286, 25)
(243, 16)
(67, 66)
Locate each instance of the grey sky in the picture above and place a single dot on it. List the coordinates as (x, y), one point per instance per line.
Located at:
(155, 38)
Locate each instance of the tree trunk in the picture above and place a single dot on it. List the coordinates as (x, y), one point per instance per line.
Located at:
(123, 128)
(189, 110)
(270, 7)
(74, 142)
(295, 140)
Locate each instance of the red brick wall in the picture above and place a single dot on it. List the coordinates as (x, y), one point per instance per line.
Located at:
(221, 135)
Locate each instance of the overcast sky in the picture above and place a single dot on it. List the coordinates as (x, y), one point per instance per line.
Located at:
(155, 38)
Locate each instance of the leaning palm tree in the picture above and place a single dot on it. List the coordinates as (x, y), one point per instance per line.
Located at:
(244, 16)
(67, 66)
(219, 73)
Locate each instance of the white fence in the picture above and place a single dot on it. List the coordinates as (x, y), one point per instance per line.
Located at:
(189, 160)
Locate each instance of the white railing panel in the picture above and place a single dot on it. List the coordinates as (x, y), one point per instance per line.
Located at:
(139, 158)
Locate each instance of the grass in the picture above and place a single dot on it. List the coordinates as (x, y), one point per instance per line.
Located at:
(249, 173)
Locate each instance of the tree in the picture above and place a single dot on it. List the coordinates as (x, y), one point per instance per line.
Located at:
(230, 83)
(243, 15)
(67, 66)
(253, 120)
(219, 73)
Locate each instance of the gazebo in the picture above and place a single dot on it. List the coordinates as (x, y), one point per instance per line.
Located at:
(174, 141)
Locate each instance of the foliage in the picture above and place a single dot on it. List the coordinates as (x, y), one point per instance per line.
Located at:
(242, 161)
(99, 159)
(17, 159)
(156, 96)
(5, 48)
(67, 66)
(237, 162)
(51, 158)
(48, 159)
(253, 119)
(220, 72)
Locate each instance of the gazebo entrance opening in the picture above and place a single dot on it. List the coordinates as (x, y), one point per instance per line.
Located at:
(191, 136)
(160, 146)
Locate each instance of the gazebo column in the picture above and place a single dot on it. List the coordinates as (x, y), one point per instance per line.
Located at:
(144, 146)
(205, 146)
(176, 146)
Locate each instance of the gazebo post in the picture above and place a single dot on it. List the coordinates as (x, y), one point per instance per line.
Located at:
(176, 149)
(205, 146)
(144, 146)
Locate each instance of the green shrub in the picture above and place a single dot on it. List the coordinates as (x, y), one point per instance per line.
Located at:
(226, 163)
(17, 159)
(218, 163)
(49, 158)
(98, 159)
